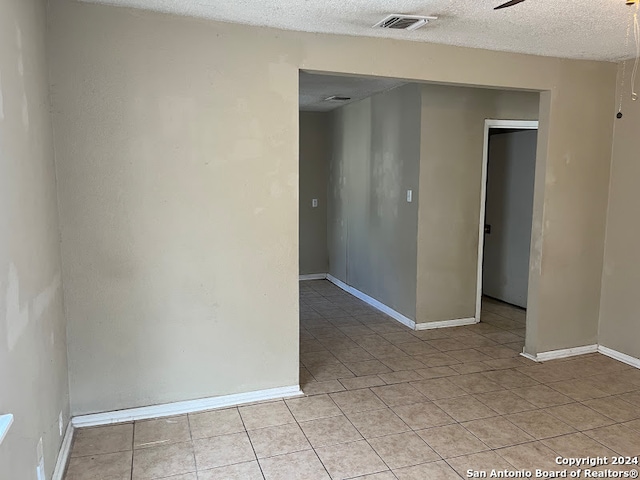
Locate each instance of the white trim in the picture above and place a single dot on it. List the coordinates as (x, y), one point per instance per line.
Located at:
(63, 455)
(373, 302)
(458, 322)
(488, 124)
(564, 353)
(5, 423)
(188, 406)
(313, 276)
(621, 357)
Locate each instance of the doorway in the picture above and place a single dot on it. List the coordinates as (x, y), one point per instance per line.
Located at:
(507, 211)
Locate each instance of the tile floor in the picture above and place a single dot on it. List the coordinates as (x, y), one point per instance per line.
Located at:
(383, 402)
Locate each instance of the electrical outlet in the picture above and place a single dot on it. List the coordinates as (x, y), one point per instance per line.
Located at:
(409, 196)
(314, 202)
(60, 423)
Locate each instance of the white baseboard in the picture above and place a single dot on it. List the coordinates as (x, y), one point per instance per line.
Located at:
(564, 353)
(458, 322)
(63, 455)
(312, 276)
(188, 406)
(373, 302)
(621, 357)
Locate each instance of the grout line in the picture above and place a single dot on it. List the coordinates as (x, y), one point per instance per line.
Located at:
(251, 442)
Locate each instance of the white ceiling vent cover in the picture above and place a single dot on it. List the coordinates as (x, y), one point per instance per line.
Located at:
(398, 21)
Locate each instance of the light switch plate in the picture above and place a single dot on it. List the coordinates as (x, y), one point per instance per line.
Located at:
(314, 202)
(409, 196)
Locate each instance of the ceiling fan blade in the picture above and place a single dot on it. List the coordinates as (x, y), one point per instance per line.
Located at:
(508, 4)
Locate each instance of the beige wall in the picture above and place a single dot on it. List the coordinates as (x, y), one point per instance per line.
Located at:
(315, 145)
(450, 182)
(373, 229)
(177, 145)
(33, 359)
(620, 310)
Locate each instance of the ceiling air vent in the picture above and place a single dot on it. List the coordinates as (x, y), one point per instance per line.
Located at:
(403, 22)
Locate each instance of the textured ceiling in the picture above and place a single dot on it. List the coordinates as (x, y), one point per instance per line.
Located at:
(314, 88)
(591, 29)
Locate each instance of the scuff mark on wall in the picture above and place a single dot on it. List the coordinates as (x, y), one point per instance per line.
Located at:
(17, 318)
(25, 111)
(1, 100)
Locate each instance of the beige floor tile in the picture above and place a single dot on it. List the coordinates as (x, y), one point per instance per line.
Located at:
(475, 383)
(369, 367)
(399, 394)
(400, 377)
(217, 422)
(330, 372)
(437, 388)
(356, 383)
(162, 461)
(423, 415)
(377, 476)
(311, 408)
(110, 466)
(437, 372)
(403, 450)
(577, 445)
(377, 423)
(497, 432)
(357, 401)
(239, 471)
(330, 431)
(452, 441)
(431, 471)
(619, 438)
(510, 378)
(542, 396)
(437, 360)
(611, 384)
(184, 476)
(473, 367)
(417, 348)
(505, 402)
(634, 425)
(579, 416)
(223, 450)
(447, 344)
(469, 355)
(350, 460)
(161, 431)
(317, 388)
(353, 354)
(265, 415)
(465, 408)
(578, 389)
(530, 456)
(294, 466)
(540, 424)
(405, 362)
(632, 397)
(99, 440)
(615, 408)
(279, 440)
(479, 462)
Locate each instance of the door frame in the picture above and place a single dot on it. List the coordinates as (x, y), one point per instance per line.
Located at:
(489, 124)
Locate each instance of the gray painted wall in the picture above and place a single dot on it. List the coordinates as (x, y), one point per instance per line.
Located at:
(620, 309)
(372, 228)
(450, 179)
(315, 152)
(33, 354)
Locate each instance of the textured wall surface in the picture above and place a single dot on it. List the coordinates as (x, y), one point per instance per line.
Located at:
(620, 310)
(33, 353)
(372, 228)
(177, 161)
(450, 181)
(315, 152)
